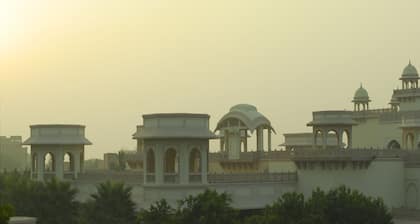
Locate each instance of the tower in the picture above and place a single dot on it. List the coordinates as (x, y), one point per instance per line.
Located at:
(361, 99)
(409, 77)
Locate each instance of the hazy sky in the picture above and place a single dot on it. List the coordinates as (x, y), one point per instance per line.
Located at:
(105, 63)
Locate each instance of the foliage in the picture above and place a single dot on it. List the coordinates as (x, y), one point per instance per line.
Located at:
(111, 204)
(51, 202)
(337, 206)
(158, 213)
(6, 211)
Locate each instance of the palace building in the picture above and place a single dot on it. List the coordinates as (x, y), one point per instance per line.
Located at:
(376, 151)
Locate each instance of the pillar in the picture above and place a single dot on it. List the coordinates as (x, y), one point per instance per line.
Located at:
(324, 138)
(59, 164)
(340, 138)
(246, 141)
(269, 139)
(159, 164)
(76, 168)
(222, 141)
(40, 169)
(260, 139)
(184, 164)
(204, 164)
(314, 135)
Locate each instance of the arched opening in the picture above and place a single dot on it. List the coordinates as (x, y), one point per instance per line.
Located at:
(318, 139)
(171, 166)
(68, 162)
(195, 166)
(49, 162)
(345, 138)
(411, 196)
(409, 139)
(34, 163)
(394, 145)
(332, 139)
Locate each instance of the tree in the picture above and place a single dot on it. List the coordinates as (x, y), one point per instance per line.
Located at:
(288, 209)
(208, 207)
(111, 204)
(158, 213)
(6, 211)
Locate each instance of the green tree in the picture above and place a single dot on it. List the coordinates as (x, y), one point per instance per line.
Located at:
(208, 207)
(6, 211)
(158, 213)
(111, 204)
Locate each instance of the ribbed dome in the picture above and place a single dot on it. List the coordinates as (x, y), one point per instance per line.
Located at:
(361, 94)
(410, 71)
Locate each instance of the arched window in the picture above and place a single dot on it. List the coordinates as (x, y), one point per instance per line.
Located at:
(195, 161)
(68, 162)
(49, 162)
(171, 161)
(150, 163)
(332, 139)
(394, 145)
(346, 139)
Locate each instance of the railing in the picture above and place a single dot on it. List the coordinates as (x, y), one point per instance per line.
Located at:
(150, 178)
(195, 178)
(287, 177)
(69, 175)
(171, 178)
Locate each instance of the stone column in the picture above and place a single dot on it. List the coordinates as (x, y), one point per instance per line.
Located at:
(222, 141)
(314, 135)
(40, 169)
(184, 164)
(59, 163)
(269, 139)
(246, 141)
(340, 138)
(260, 139)
(76, 165)
(204, 164)
(159, 164)
(324, 138)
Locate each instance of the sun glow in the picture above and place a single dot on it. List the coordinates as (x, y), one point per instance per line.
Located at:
(14, 16)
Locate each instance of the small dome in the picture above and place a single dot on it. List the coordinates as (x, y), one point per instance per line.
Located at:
(243, 107)
(361, 94)
(410, 71)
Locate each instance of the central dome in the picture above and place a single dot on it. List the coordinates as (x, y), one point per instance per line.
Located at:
(410, 71)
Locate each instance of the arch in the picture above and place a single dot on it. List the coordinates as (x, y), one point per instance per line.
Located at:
(393, 144)
(345, 138)
(411, 195)
(409, 139)
(150, 161)
(195, 161)
(171, 161)
(334, 132)
(49, 162)
(68, 162)
(34, 162)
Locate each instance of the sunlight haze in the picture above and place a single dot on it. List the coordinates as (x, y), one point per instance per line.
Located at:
(104, 64)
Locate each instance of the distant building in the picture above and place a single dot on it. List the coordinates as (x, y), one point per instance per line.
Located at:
(12, 154)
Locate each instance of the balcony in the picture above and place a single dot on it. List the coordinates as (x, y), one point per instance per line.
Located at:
(150, 178)
(195, 178)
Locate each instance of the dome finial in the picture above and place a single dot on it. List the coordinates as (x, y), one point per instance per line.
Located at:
(361, 85)
(409, 61)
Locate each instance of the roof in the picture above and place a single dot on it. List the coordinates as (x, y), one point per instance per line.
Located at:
(410, 72)
(361, 95)
(57, 134)
(174, 125)
(248, 114)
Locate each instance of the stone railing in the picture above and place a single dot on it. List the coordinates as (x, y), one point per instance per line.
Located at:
(150, 178)
(171, 178)
(287, 177)
(195, 178)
